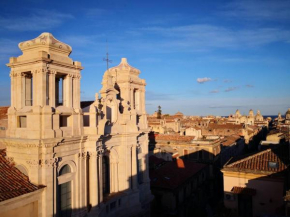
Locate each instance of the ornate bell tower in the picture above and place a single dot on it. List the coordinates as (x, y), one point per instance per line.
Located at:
(45, 121)
(45, 91)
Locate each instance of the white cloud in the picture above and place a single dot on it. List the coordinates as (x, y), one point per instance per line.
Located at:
(203, 80)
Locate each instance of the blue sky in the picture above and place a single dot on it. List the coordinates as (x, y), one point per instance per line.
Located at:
(198, 57)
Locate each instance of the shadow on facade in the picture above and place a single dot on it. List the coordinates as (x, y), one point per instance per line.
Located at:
(133, 200)
(265, 195)
(197, 193)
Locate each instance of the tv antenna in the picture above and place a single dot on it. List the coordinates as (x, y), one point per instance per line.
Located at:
(107, 58)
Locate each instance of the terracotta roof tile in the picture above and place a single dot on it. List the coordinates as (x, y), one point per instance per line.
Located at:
(243, 190)
(13, 183)
(3, 112)
(175, 137)
(261, 161)
(172, 174)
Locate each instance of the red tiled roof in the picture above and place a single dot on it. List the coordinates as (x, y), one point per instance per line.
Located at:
(229, 140)
(13, 183)
(243, 190)
(260, 161)
(3, 112)
(225, 126)
(175, 137)
(171, 175)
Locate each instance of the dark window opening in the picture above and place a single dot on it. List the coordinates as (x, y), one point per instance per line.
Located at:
(64, 170)
(63, 120)
(106, 176)
(113, 205)
(59, 86)
(86, 119)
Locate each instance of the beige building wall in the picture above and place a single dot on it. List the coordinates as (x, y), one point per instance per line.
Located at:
(47, 139)
(265, 201)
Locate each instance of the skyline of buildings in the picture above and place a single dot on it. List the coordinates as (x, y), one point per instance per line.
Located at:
(207, 58)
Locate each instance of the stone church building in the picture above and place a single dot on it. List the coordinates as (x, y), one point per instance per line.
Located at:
(70, 161)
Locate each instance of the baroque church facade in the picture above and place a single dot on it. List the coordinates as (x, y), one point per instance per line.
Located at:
(91, 161)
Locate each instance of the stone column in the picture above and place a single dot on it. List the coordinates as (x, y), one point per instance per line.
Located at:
(41, 86)
(12, 76)
(34, 87)
(76, 91)
(93, 179)
(68, 90)
(134, 168)
(19, 90)
(129, 165)
(100, 174)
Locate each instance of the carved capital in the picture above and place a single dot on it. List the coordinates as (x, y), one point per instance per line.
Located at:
(83, 155)
(52, 72)
(92, 154)
(77, 77)
(100, 151)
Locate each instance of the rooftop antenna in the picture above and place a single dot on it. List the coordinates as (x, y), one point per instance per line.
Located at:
(107, 58)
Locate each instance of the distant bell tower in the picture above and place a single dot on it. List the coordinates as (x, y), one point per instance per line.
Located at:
(45, 91)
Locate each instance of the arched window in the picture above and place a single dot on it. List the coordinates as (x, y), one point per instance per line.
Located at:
(64, 194)
(106, 176)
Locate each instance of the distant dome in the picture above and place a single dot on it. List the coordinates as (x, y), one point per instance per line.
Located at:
(179, 114)
(288, 111)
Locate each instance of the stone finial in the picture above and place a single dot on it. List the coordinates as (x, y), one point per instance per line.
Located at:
(45, 40)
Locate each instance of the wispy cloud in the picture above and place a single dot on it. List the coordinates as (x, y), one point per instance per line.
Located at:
(203, 80)
(258, 9)
(227, 81)
(226, 106)
(249, 85)
(202, 37)
(214, 91)
(36, 20)
(231, 89)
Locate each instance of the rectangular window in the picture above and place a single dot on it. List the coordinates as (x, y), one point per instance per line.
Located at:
(86, 119)
(63, 120)
(22, 122)
(113, 205)
(59, 86)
